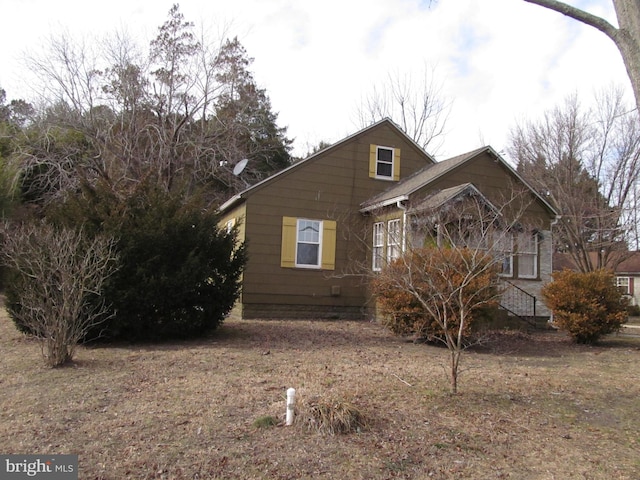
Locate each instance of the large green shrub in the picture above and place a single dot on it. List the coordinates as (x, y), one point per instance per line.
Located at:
(179, 274)
(586, 305)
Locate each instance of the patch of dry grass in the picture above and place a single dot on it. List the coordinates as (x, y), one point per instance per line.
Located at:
(331, 415)
(531, 406)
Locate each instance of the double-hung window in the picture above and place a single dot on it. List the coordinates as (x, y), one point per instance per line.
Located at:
(378, 245)
(308, 243)
(504, 251)
(394, 240)
(384, 163)
(624, 285)
(387, 242)
(527, 255)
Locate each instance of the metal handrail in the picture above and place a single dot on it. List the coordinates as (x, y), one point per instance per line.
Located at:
(522, 304)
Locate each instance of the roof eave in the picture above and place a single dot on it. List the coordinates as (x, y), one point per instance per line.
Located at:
(230, 203)
(384, 203)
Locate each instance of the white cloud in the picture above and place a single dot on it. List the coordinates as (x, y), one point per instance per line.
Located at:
(499, 60)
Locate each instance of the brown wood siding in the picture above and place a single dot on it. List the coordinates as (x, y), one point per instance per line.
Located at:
(492, 180)
(330, 186)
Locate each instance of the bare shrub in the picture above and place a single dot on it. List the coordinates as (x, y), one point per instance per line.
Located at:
(57, 276)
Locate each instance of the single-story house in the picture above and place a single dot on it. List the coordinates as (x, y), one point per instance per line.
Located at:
(311, 228)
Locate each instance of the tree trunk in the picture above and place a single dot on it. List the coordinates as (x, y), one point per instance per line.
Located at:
(455, 362)
(628, 41)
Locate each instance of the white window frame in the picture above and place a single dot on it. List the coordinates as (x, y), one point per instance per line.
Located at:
(300, 241)
(504, 246)
(527, 239)
(624, 284)
(379, 162)
(378, 246)
(394, 239)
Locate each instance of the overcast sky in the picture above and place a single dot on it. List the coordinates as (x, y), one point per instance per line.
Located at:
(499, 61)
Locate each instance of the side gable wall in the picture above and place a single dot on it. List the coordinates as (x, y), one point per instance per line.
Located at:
(495, 181)
(330, 186)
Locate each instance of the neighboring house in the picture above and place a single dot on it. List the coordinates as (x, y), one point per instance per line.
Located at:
(625, 266)
(627, 274)
(312, 228)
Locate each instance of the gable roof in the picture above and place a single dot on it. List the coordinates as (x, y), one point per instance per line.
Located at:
(442, 197)
(239, 197)
(429, 174)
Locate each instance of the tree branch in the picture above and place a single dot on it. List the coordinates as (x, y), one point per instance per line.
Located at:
(579, 15)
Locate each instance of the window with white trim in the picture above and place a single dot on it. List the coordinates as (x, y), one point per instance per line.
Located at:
(527, 255)
(308, 243)
(504, 251)
(624, 284)
(378, 245)
(394, 240)
(384, 162)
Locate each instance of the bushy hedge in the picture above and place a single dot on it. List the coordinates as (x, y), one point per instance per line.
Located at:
(586, 305)
(179, 274)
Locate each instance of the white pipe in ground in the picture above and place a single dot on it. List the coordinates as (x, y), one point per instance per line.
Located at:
(291, 403)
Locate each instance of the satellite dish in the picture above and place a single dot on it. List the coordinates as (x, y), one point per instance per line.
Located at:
(240, 166)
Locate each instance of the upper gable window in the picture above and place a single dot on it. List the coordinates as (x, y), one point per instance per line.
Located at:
(384, 163)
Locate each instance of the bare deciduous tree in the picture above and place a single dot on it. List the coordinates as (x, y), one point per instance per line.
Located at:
(585, 162)
(58, 275)
(448, 274)
(417, 106)
(184, 114)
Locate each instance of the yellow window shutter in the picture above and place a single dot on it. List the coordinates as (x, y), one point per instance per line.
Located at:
(396, 164)
(288, 252)
(329, 245)
(373, 157)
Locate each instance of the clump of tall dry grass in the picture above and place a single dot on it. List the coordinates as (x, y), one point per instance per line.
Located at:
(331, 415)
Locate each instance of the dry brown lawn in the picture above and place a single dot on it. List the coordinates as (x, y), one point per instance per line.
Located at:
(532, 406)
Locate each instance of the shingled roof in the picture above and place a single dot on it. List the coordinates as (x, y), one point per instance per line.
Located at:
(626, 263)
(418, 180)
(429, 174)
